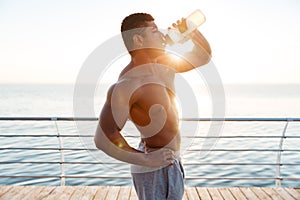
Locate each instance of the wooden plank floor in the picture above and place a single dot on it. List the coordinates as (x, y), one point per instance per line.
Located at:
(125, 193)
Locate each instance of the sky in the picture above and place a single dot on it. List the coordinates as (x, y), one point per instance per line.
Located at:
(47, 41)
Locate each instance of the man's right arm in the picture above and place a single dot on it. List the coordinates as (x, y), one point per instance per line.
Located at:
(199, 56)
(109, 139)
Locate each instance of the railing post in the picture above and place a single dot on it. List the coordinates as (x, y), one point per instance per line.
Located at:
(62, 157)
(278, 163)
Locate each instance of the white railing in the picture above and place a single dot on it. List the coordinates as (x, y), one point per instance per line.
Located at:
(278, 164)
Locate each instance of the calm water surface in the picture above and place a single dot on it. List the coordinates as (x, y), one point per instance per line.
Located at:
(241, 101)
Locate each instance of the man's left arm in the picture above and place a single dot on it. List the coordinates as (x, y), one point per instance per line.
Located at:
(201, 49)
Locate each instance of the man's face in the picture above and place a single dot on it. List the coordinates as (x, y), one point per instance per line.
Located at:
(152, 37)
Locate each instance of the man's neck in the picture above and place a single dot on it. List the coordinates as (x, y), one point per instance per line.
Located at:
(144, 56)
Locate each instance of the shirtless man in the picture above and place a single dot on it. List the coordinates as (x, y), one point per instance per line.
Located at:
(144, 94)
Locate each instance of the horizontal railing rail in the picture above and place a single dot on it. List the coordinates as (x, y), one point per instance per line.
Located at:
(120, 163)
(268, 119)
(62, 162)
(134, 136)
(128, 177)
(188, 150)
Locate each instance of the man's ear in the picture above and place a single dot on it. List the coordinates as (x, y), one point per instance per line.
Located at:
(138, 41)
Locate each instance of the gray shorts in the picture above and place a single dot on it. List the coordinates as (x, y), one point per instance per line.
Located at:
(161, 184)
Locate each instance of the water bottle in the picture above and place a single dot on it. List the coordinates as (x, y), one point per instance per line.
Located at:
(193, 21)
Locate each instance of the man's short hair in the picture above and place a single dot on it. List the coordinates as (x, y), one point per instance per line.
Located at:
(131, 25)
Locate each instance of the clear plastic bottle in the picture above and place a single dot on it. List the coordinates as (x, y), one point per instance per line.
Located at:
(193, 21)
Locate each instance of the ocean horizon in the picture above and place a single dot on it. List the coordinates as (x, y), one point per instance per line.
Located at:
(241, 100)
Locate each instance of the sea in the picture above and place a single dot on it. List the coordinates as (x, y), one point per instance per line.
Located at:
(205, 161)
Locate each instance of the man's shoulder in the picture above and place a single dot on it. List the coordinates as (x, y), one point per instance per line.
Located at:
(123, 92)
(123, 86)
(168, 59)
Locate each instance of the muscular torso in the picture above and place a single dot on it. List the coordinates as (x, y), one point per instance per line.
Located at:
(152, 106)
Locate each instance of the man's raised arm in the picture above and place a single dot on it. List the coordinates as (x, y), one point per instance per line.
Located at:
(198, 56)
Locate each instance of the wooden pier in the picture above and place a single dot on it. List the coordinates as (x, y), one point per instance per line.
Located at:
(125, 193)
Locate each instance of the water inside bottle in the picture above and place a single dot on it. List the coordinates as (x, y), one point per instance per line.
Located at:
(193, 21)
